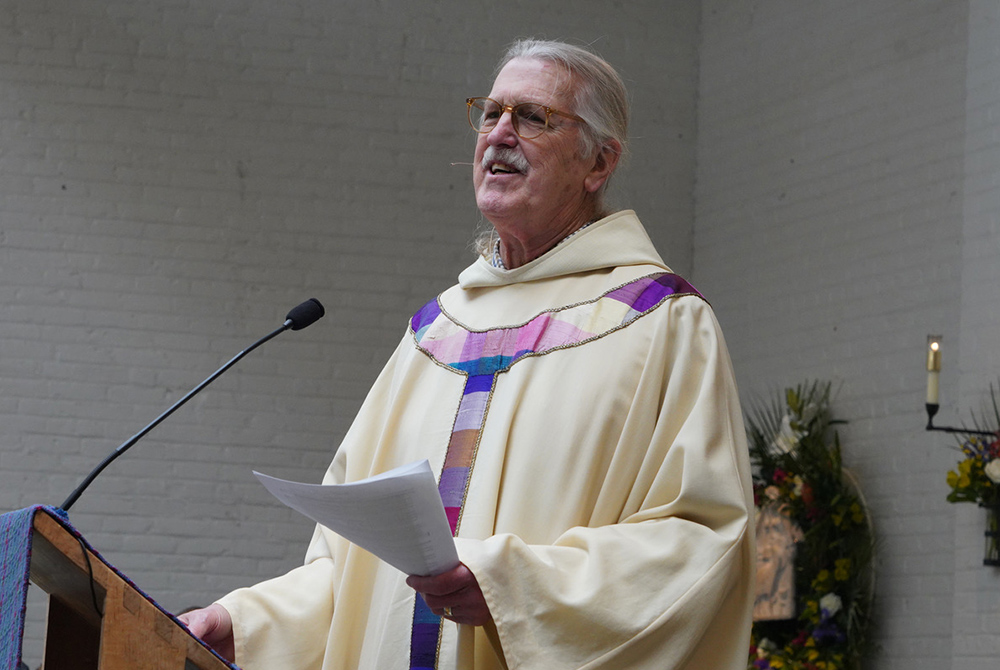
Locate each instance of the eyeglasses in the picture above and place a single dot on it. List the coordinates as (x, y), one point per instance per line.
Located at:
(529, 119)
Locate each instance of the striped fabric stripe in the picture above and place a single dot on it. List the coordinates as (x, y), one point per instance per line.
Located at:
(481, 356)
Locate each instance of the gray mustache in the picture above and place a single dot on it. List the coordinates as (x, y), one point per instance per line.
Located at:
(507, 156)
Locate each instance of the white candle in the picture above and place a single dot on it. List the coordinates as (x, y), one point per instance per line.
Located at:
(933, 368)
(932, 387)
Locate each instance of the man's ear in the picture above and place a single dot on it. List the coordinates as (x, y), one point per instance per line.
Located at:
(605, 163)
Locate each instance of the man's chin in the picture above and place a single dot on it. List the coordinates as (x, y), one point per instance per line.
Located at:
(498, 205)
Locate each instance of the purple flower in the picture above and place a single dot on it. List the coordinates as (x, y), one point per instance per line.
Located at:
(827, 631)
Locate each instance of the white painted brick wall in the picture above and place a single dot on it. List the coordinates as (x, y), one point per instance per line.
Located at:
(175, 175)
(976, 622)
(833, 233)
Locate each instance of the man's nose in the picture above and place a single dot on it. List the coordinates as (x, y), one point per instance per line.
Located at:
(503, 133)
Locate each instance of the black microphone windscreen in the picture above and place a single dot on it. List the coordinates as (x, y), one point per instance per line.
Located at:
(305, 314)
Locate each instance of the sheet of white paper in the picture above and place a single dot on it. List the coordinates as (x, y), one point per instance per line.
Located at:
(397, 515)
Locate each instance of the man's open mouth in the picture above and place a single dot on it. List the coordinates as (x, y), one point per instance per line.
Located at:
(503, 161)
(503, 168)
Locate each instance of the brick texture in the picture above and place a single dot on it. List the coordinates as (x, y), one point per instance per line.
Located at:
(976, 619)
(176, 175)
(846, 207)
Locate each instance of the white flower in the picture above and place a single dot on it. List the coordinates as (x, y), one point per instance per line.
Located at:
(787, 439)
(765, 647)
(992, 470)
(831, 604)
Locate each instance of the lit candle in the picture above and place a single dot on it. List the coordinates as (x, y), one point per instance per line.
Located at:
(933, 367)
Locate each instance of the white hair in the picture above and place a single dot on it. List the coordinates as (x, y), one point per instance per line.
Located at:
(600, 95)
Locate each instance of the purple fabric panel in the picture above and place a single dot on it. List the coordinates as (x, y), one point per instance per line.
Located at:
(425, 316)
(15, 554)
(452, 486)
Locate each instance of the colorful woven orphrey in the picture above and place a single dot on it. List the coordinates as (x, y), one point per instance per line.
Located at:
(481, 356)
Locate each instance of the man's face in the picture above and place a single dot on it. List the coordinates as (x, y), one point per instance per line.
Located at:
(548, 190)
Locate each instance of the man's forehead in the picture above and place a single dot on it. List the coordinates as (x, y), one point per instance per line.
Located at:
(532, 80)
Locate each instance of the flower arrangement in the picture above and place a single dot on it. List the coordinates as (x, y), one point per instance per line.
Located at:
(976, 478)
(798, 472)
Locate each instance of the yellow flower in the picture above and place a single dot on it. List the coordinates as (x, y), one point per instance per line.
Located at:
(812, 655)
(964, 473)
(857, 514)
(842, 571)
(777, 663)
(822, 577)
(811, 610)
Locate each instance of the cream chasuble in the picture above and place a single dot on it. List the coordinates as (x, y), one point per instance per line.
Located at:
(582, 416)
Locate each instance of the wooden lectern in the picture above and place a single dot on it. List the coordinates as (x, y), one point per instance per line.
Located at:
(98, 620)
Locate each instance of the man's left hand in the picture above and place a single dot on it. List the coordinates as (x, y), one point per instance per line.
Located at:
(454, 595)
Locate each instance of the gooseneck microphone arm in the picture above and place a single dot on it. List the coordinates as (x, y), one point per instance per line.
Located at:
(301, 316)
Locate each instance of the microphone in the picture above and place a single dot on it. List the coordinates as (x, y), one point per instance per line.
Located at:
(300, 317)
(304, 315)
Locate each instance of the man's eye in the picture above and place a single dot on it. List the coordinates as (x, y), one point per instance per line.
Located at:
(489, 110)
(531, 114)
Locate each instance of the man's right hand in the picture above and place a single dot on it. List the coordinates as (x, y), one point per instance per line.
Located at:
(213, 625)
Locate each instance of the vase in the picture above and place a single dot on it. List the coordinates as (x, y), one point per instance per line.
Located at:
(991, 554)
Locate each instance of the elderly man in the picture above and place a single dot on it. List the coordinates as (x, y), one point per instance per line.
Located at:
(577, 401)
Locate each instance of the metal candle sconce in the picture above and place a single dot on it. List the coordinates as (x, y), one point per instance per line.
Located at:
(933, 375)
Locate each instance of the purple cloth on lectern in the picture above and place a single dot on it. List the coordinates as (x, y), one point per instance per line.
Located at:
(16, 530)
(15, 568)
